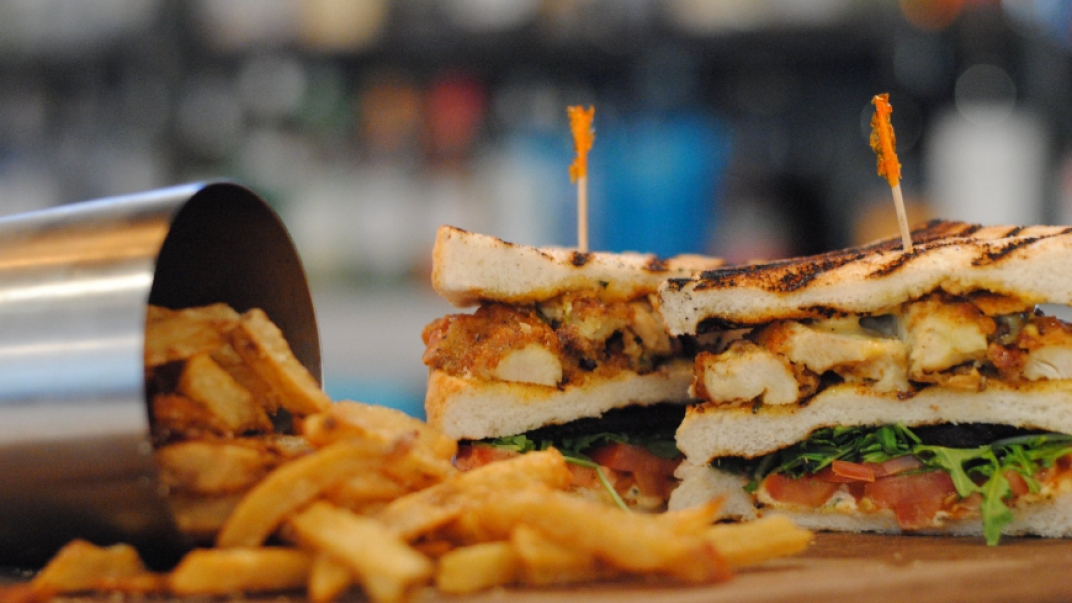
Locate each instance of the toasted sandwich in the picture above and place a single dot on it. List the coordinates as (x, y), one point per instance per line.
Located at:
(870, 389)
(564, 348)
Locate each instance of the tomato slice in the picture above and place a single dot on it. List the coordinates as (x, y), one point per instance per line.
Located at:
(583, 477)
(1017, 483)
(898, 465)
(808, 491)
(471, 456)
(827, 475)
(653, 474)
(915, 498)
(632, 458)
(861, 472)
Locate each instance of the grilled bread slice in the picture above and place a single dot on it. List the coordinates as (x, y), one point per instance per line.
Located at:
(469, 268)
(470, 409)
(710, 431)
(1028, 263)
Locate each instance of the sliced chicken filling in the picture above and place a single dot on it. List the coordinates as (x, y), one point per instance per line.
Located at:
(939, 339)
(558, 342)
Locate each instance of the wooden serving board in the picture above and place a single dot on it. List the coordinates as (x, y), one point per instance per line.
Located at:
(837, 568)
(865, 568)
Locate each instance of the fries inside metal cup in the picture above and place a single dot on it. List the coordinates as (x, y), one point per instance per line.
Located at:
(76, 460)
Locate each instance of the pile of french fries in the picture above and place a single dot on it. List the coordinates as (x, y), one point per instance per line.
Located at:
(287, 491)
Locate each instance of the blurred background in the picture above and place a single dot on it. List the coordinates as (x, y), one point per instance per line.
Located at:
(729, 127)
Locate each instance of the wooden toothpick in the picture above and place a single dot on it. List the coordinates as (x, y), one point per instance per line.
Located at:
(884, 143)
(583, 137)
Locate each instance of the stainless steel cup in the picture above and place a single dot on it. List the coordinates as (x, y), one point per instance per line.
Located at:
(75, 454)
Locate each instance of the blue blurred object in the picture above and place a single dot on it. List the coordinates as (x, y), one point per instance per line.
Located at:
(383, 393)
(656, 182)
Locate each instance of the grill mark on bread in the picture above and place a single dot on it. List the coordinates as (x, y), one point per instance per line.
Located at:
(790, 275)
(823, 311)
(991, 256)
(656, 265)
(579, 259)
(715, 324)
(897, 262)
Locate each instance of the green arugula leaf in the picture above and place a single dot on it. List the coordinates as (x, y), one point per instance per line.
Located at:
(955, 462)
(996, 514)
(517, 443)
(660, 444)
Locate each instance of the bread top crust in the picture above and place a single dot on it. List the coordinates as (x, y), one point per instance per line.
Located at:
(468, 268)
(1024, 262)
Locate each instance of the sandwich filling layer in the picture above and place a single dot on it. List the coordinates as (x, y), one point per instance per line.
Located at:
(892, 478)
(567, 340)
(956, 342)
(627, 456)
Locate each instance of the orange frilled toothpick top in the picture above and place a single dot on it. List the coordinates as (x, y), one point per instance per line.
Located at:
(883, 140)
(884, 143)
(580, 120)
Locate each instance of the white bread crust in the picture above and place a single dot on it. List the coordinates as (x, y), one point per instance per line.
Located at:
(468, 268)
(1031, 264)
(1051, 518)
(465, 408)
(709, 431)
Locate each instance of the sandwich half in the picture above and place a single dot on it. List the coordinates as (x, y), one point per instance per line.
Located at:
(564, 348)
(870, 389)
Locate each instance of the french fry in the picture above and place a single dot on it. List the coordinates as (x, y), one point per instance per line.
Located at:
(418, 470)
(230, 361)
(175, 415)
(544, 562)
(757, 541)
(629, 541)
(262, 346)
(212, 467)
(201, 517)
(428, 462)
(346, 419)
(81, 566)
(358, 491)
(230, 571)
(426, 510)
(172, 335)
(692, 520)
(469, 527)
(295, 484)
(384, 565)
(434, 548)
(477, 567)
(288, 447)
(203, 381)
(328, 579)
(24, 593)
